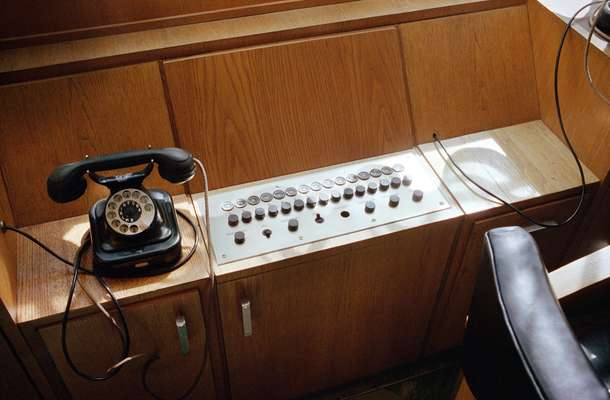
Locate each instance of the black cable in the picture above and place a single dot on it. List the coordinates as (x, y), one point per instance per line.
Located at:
(563, 132)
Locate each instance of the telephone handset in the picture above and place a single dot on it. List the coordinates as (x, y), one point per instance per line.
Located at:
(134, 232)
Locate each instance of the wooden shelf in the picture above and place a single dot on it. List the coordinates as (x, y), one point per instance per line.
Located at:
(43, 281)
(518, 163)
(590, 270)
(68, 57)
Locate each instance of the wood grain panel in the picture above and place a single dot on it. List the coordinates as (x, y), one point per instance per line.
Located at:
(36, 62)
(328, 321)
(470, 72)
(39, 17)
(8, 262)
(94, 345)
(586, 117)
(48, 123)
(447, 327)
(14, 381)
(256, 113)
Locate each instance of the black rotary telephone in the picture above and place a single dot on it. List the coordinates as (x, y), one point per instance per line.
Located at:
(134, 232)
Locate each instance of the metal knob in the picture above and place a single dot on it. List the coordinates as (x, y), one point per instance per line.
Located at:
(233, 220)
(406, 180)
(335, 196)
(239, 237)
(360, 190)
(299, 204)
(311, 202)
(286, 207)
(418, 195)
(395, 182)
(246, 216)
(323, 199)
(384, 184)
(259, 213)
(293, 225)
(394, 200)
(348, 193)
(372, 187)
(369, 207)
(273, 210)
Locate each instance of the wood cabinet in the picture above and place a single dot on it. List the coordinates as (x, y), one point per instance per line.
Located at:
(448, 324)
(330, 320)
(14, 380)
(94, 345)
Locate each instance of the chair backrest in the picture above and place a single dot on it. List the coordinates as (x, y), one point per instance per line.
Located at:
(518, 343)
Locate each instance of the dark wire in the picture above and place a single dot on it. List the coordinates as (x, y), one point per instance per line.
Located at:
(563, 132)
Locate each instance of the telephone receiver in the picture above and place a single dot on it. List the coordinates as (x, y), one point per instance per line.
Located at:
(134, 232)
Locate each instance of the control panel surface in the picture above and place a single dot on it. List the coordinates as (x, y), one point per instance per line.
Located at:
(259, 218)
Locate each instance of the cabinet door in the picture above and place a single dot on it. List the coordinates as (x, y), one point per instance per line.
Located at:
(334, 319)
(14, 381)
(94, 345)
(449, 320)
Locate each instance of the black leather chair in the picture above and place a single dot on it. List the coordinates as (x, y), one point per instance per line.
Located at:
(518, 343)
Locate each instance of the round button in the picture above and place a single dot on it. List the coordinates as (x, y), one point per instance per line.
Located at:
(351, 178)
(375, 172)
(267, 233)
(384, 184)
(398, 167)
(335, 196)
(372, 187)
(328, 183)
(395, 182)
(340, 180)
(279, 194)
(273, 210)
(239, 237)
(226, 206)
(406, 180)
(360, 190)
(286, 207)
(387, 170)
(233, 219)
(299, 204)
(253, 200)
(291, 191)
(311, 201)
(266, 197)
(303, 189)
(316, 186)
(394, 200)
(369, 207)
(241, 203)
(293, 225)
(363, 175)
(348, 193)
(259, 213)
(418, 195)
(246, 216)
(323, 199)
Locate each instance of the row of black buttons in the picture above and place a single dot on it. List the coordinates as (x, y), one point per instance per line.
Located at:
(279, 194)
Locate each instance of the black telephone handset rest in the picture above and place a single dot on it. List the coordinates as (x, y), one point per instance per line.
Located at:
(67, 182)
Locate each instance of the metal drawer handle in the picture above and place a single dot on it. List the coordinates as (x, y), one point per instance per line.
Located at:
(183, 335)
(246, 317)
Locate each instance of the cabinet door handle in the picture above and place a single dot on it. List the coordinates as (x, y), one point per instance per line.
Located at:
(183, 335)
(246, 317)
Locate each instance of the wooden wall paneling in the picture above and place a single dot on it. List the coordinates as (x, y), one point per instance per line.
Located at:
(15, 383)
(76, 18)
(470, 72)
(94, 344)
(334, 319)
(447, 325)
(260, 112)
(47, 123)
(586, 117)
(8, 262)
(71, 56)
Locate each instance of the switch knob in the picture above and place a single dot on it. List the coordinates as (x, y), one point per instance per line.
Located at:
(360, 190)
(372, 187)
(293, 225)
(286, 207)
(406, 180)
(273, 210)
(259, 213)
(394, 200)
(384, 184)
(418, 195)
(395, 182)
(369, 207)
(323, 199)
(233, 220)
(348, 193)
(299, 204)
(311, 202)
(246, 216)
(239, 237)
(335, 196)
